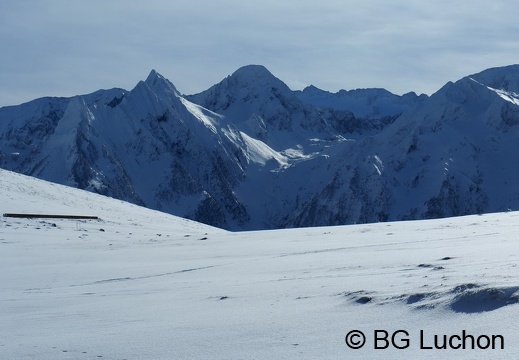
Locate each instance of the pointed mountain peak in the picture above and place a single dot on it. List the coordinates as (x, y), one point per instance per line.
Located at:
(156, 81)
(153, 76)
(314, 90)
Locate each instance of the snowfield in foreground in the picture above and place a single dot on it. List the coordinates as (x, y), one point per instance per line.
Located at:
(139, 284)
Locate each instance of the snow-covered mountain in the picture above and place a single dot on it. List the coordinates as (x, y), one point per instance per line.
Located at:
(141, 284)
(148, 146)
(263, 107)
(249, 153)
(363, 103)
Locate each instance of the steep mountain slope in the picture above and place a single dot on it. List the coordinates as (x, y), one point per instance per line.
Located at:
(462, 144)
(148, 146)
(264, 108)
(451, 155)
(248, 153)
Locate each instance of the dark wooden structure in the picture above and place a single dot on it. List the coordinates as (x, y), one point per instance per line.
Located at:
(50, 216)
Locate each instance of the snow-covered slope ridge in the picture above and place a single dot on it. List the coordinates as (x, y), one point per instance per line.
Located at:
(263, 107)
(364, 103)
(148, 146)
(248, 153)
(448, 156)
(21, 194)
(140, 284)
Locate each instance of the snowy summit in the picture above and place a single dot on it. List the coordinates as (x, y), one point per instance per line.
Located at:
(249, 153)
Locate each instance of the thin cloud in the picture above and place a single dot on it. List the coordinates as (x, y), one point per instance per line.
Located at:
(63, 48)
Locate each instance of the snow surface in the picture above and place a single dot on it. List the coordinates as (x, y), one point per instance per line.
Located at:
(139, 284)
(509, 96)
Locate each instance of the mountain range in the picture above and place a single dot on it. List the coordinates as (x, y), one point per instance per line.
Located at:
(250, 153)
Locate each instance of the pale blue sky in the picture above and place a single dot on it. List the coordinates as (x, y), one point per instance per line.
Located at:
(70, 47)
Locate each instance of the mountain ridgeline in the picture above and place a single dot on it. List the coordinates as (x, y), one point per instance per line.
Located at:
(250, 153)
